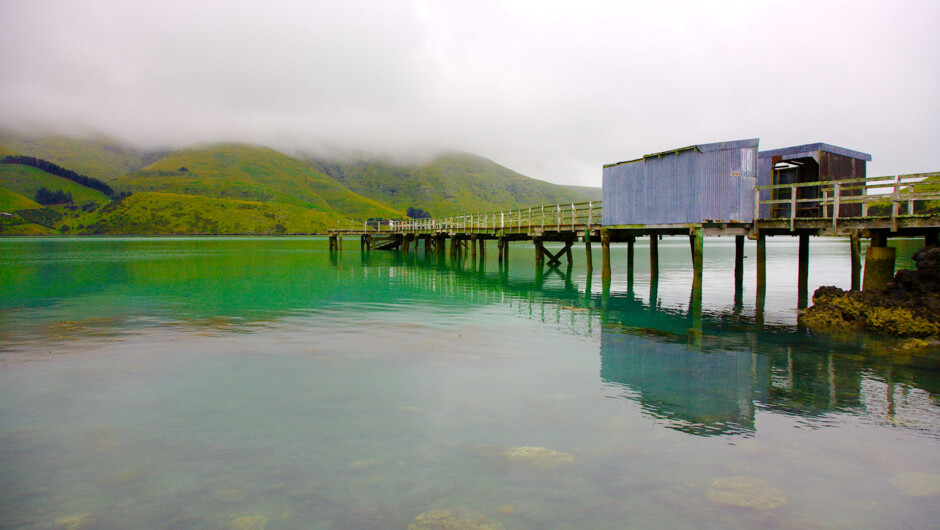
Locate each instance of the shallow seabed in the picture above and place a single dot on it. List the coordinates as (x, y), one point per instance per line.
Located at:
(267, 383)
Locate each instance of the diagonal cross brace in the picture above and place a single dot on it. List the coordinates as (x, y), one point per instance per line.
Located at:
(555, 259)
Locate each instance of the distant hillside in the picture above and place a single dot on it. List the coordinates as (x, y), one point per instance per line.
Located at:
(592, 194)
(453, 183)
(251, 173)
(168, 213)
(234, 189)
(26, 181)
(98, 158)
(11, 201)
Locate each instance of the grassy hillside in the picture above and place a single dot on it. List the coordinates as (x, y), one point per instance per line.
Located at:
(251, 173)
(167, 213)
(99, 158)
(453, 183)
(592, 194)
(11, 201)
(17, 226)
(25, 180)
(4, 152)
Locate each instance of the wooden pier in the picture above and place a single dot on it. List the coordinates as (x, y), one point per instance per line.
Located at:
(876, 208)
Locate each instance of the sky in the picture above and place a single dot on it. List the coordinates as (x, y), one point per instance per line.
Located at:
(551, 89)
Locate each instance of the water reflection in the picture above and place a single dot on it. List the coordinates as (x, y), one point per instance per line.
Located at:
(707, 372)
(692, 391)
(219, 381)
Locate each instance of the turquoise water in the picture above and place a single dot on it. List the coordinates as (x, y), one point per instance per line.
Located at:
(265, 382)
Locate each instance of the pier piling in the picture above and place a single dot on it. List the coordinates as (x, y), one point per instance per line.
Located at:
(587, 252)
(802, 272)
(696, 239)
(761, 261)
(879, 265)
(605, 255)
(654, 256)
(856, 251)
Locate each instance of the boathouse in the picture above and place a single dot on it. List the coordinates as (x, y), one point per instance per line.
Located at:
(818, 162)
(706, 183)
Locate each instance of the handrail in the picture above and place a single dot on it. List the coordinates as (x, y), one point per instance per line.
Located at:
(834, 198)
(835, 195)
(573, 216)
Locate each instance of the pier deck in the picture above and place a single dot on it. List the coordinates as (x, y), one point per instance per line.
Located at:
(875, 208)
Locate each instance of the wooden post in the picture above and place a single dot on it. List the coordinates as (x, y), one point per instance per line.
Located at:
(506, 251)
(761, 261)
(803, 273)
(695, 314)
(500, 243)
(473, 247)
(605, 255)
(539, 251)
(568, 251)
(738, 271)
(931, 238)
(587, 252)
(654, 256)
(482, 243)
(697, 240)
(630, 241)
(738, 258)
(453, 246)
(855, 247)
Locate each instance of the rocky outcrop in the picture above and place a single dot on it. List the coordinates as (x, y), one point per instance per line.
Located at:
(908, 307)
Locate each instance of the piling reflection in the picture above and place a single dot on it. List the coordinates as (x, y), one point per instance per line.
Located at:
(709, 373)
(699, 370)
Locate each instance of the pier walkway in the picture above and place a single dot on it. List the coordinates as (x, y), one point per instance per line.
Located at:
(874, 208)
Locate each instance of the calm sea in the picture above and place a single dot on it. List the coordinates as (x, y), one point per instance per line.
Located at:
(267, 383)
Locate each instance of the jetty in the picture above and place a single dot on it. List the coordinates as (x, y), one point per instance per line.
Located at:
(727, 189)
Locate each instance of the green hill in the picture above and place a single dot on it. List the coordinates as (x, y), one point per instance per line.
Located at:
(452, 183)
(168, 213)
(26, 180)
(592, 194)
(99, 158)
(11, 201)
(251, 173)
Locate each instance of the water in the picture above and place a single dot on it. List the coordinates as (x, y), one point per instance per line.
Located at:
(263, 382)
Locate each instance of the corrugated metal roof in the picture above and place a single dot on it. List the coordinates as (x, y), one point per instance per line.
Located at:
(716, 146)
(810, 150)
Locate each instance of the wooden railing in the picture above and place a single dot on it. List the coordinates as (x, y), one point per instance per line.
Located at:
(894, 197)
(835, 199)
(558, 217)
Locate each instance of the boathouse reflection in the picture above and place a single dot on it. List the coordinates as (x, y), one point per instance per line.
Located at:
(699, 392)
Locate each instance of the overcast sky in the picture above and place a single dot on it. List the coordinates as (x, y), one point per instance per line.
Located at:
(553, 90)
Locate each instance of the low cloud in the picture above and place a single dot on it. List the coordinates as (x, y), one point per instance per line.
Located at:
(552, 90)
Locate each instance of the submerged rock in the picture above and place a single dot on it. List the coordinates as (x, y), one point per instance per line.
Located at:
(451, 520)
(917, 484)
(250, 522)
(746, 492)
(75, 522)
(908, 307)
(540, 457)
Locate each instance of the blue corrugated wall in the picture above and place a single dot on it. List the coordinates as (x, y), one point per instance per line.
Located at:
(712, 182)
